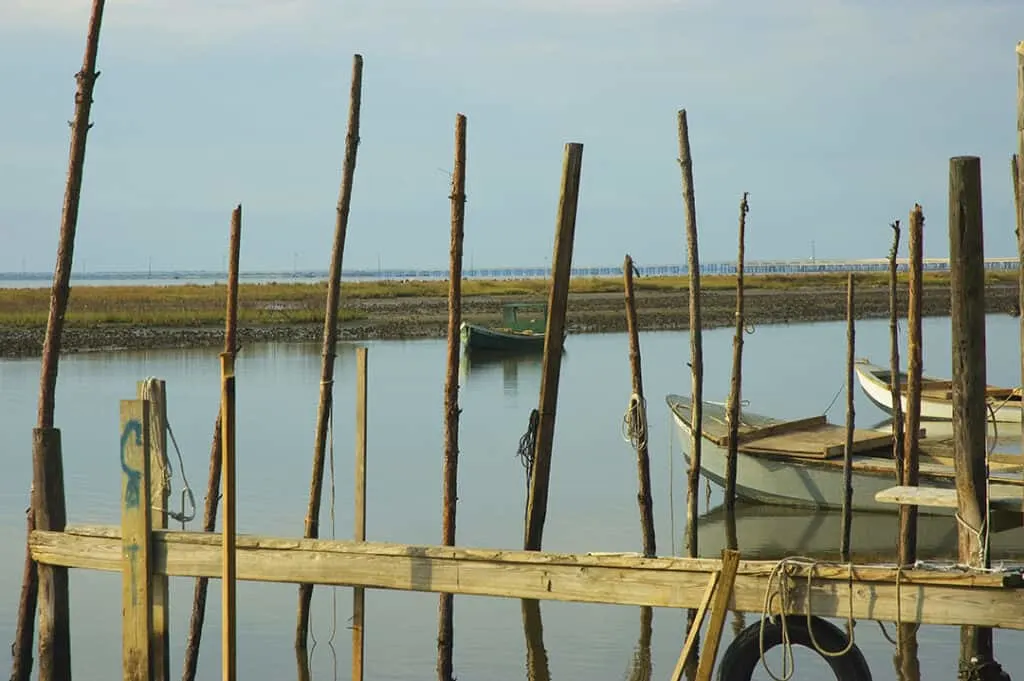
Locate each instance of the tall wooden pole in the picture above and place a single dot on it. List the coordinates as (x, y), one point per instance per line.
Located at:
(967, 265)
(554, 338)
(45, 586)
(445, 627)
(312, 529)
(639, 417)
(228, 567)
(358, 593)
(907, 544)
(735, 385)
(894, 355)
(844, 544)
(195, 625)
(696, 341)
(1018, 193)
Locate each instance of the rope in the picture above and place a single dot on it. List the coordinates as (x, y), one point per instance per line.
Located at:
(780, 572)
(525, 451)
(672, 485)
(331, 504)
(835, 397)
(167, 472)
(634, 422)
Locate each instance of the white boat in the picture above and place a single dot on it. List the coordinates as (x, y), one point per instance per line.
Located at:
(800, 462)
(936, 395)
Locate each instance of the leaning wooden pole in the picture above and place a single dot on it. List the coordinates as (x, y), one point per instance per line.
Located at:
(907, 544)
(844, 543)
(735, 385)
(195, 625)
(554, 338)
(894, 355)
(696, 341)
(46, 587)
(312, 529)
(967, 265)
(445, 626)
(638, 417)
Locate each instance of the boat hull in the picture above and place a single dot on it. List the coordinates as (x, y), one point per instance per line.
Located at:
(879, 393)
(475, 337)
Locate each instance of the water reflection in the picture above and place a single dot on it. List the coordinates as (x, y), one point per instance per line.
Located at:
(525, 366)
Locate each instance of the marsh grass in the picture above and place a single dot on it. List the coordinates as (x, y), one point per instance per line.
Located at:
(295, 303)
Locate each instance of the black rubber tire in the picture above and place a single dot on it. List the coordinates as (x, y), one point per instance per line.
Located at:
(744, 654)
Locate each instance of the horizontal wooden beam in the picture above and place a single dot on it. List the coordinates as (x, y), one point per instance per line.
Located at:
(999, 500)
(929, 596)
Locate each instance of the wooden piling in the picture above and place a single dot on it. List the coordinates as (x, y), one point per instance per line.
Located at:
(638, 417)
(445, 627)
(733, 412)
(894, 355)
(312, 527)
(136, 542)
(696, 344)
(154, 391)
(228, 569)
(966, 257)
(907, 544)
(195, 625)
(46, 588)
(358, 593)
(554, 338)
(844, 544)
(1018, 193)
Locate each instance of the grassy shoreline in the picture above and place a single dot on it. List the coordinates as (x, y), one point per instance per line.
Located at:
(288, 304)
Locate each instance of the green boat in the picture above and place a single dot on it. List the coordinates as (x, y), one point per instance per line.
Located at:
(522, 329)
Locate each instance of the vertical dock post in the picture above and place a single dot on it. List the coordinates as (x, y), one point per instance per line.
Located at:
(844, 542)
(228, 584)
(446, 604)
(894, 355)
(1018, 193)
(136, 540)
(696, 339)
(735, 390)
(967, 265)
(358, 593)
(907, 544)
(638, 417)
(554, 337)
(154, 391)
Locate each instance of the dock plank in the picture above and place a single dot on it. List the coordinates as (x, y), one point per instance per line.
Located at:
(1002, 500)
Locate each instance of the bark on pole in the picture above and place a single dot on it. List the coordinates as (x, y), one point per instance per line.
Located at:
(735, 385)
(1018, 192)
(554, 337)
(907, 544)
(696, 341)
(844, 543)
(445, 626)
(312, 529)
(967, 265)
(894, 355)
(639, 418)
(195, 625)
(46, 587)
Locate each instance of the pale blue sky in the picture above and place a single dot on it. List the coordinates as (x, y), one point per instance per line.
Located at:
(836, 116)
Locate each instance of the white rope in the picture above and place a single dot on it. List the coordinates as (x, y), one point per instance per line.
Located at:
(634, 422)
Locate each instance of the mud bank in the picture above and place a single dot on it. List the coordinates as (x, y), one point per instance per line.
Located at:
(407, 318)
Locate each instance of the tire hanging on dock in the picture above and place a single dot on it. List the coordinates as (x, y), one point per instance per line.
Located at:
(742, 657)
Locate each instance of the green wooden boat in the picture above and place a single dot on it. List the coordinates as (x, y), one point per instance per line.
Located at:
(522, 329)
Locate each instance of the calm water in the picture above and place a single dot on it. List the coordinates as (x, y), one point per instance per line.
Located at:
(790, 371)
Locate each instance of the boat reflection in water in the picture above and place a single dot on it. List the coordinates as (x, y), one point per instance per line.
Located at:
(477, 365)
(769, 532)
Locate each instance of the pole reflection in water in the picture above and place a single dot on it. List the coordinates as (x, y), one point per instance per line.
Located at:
(536, 656)
(478, 365)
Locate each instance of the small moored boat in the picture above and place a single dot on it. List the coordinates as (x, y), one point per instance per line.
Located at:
(800, 462)
(522, 329)
(936, 394)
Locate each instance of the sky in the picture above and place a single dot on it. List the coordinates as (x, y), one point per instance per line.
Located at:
(835, 115)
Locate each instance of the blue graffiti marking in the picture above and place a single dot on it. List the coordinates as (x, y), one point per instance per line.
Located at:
(131, 492)
(133, 551)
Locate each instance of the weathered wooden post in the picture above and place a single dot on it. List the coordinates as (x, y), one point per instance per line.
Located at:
(136, 540)
(894, 355)
(735, 390)
(907, 544)
(46, 586)
(696, 341)
(554, 337)
(358, 594)
(229, 588)
(967, 266)
(445, 627)
(312, 527)
(213, 484)
(844, 542)
(1018, 193)
(638, 417)
(154, 391)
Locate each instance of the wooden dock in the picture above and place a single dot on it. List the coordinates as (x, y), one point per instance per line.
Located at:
(929, 596)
